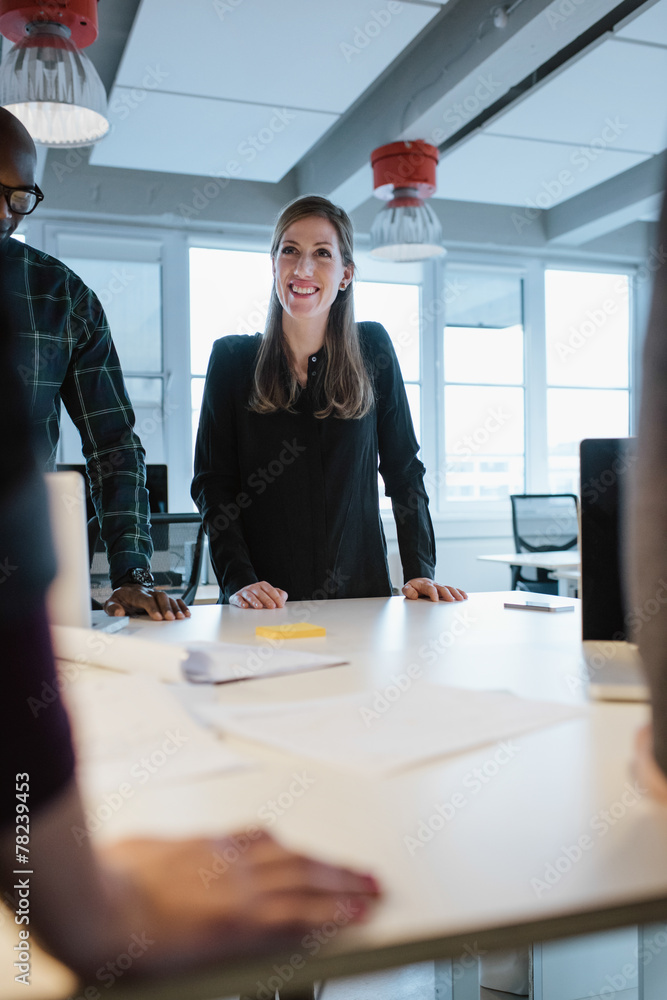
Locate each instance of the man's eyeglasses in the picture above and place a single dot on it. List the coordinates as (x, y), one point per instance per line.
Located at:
(22, 200)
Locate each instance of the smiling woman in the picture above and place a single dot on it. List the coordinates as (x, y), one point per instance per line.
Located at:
(293, 425)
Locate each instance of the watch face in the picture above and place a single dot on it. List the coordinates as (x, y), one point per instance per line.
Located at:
(142, 576)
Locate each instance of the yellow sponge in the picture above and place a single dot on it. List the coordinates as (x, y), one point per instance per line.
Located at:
(294, 630)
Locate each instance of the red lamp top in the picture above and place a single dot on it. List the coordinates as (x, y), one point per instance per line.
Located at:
(409, 164)
(80, 16)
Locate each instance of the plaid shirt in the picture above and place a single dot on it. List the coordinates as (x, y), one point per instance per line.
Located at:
(64, 352)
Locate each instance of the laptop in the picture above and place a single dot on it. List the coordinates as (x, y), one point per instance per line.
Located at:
(612, 659)
(68, 599)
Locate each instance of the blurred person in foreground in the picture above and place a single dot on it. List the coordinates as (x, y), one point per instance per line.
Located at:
(86, 903)
(647, 536)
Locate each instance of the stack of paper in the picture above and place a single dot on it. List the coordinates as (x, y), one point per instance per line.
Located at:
(199, 662)
(367, 733)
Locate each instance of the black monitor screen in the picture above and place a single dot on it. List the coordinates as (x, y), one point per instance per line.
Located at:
(605, 465)
(156, 484)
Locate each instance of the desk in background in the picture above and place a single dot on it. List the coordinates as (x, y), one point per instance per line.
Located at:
(497, 874)
(554, 562)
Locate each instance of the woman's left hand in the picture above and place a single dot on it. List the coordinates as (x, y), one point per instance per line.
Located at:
(421, 586)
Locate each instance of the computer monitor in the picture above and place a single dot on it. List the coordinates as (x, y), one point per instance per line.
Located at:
(156, 484)
(605, 465)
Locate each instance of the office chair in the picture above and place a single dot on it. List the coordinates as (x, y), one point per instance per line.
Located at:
(542, 522)
(178, 543)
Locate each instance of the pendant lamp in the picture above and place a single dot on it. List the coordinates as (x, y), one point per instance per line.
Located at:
(45, 79)
(407, 229)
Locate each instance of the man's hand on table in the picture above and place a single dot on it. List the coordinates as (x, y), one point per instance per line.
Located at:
(645, 768)
(424, 587)
(211, 898)
(135, 598)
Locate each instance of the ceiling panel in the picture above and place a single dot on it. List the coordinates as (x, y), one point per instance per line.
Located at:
(650, 26)
(193, 135)
(494, 169)
(319, 56)
(608, 97)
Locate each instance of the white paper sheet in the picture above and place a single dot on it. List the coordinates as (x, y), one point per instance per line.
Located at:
(131, 730)
(198, 662)
(368, 734)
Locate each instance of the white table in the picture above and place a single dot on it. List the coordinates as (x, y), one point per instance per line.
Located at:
(470, 887)
(555, 562)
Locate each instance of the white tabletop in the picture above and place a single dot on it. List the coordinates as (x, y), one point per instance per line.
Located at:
(473, 883)
(559, 559)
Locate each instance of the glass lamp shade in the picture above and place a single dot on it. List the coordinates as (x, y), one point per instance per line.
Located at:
(54, 89)
(406, 229)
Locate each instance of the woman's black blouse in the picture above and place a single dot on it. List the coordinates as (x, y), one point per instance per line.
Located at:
(293, 499)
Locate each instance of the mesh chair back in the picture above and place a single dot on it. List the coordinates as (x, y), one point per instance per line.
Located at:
(544, 522)
(178, 542)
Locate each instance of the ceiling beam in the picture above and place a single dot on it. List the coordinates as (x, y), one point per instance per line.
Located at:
(461, 65)
(611, 205)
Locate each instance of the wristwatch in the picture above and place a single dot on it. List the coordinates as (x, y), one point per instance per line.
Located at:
(142, 577)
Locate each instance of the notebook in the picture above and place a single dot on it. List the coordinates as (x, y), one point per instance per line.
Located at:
(68, 599)
(612, 660)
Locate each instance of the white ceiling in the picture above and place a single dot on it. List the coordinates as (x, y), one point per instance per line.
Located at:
(596, 118)
(199, 84)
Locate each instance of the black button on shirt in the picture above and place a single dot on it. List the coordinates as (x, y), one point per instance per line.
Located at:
(293, 499)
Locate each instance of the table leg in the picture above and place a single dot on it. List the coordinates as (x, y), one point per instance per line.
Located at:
(652, 961)
(457, 979)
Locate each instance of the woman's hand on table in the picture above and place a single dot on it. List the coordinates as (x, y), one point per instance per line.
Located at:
(259, 595)
(222, 898)
(423, 587)
(645, 768)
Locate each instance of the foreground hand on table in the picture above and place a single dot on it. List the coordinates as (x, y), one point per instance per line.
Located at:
(645, 767)
(423, 587)
(133, 598)
(259, 595)
(194, 902)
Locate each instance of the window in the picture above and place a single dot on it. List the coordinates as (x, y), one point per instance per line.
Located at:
(396, 307)
(484, 385)
(229, 293)
(130, 292)
(588, 342)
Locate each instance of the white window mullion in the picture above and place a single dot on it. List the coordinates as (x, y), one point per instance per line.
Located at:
(535, 379)
(177, 398)
(431, 327)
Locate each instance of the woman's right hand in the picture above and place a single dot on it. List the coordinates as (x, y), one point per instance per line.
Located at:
(259, 595)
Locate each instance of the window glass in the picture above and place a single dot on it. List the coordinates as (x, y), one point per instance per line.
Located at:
(131, 295)
(397, 308)
(588, 328)
(484, 376)
(229, 293)
(494, 356)
(575, 414)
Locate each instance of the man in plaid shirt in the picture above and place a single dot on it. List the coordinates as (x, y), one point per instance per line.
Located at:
(65, 353)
